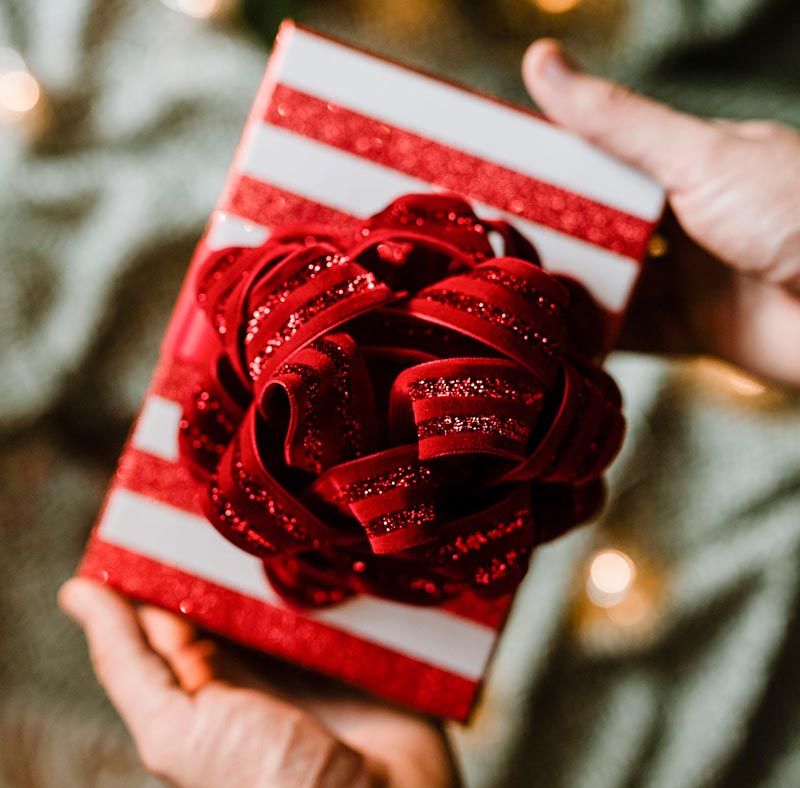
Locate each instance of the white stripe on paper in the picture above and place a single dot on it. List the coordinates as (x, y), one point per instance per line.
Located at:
(156, 430)
(359, 187)
(494, 132)
(189, 543)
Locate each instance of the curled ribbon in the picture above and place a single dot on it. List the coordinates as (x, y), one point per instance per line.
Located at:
(405, 414)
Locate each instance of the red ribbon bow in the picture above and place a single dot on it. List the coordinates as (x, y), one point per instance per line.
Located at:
(404, 414)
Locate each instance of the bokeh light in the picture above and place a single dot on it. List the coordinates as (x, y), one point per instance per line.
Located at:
(199, 9)
(657, 246)
(744, 384)
(19, 91)
(621, 601)
(610, 576)
(723, 378)
(556, 6)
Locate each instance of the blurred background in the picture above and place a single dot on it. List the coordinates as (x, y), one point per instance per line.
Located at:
(659, 647)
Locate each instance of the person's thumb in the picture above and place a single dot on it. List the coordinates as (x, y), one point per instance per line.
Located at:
(668, 145)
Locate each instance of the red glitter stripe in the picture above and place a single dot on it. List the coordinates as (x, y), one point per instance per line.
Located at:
(520, 287)
(352, 440)
(414, 517)
(175, 380)
(269, 301)
(467, 386)
(273, 207)
(406, 476)
(505, 427)
(283, 632)
(356, 285)
(226, 511)
(158, 479)
(311, 440)
(171, 484)
(404, 151)
(483, 310)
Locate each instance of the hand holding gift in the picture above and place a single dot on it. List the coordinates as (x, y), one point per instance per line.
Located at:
(201, 718)
(755, 164)
(731, 288)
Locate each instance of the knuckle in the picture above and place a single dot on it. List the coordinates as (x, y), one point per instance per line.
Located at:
(347, 764)
(614, 97)
(338, 766)
(603, 104)
(765, 130)
(771, 128)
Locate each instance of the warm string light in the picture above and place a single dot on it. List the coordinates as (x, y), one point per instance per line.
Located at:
(657, 246)
(610, 576)
(556, 6)
(722, 378)
(19, 90)
(744, 384)
(619, 602)
(202, 9)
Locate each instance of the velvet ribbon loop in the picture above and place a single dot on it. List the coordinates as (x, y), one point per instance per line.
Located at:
(402, 413)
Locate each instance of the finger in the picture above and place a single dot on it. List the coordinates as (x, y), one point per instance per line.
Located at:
(165, 630)
(194, 660)
(754, 129)
(667, 144)
(138, 682)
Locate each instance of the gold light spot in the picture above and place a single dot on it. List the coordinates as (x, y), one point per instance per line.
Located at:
(657, 246)
(611, 574)
(729, 378)
(621, 604)
(19, 91)
(200, 9)
(744, 384)
(556, 6)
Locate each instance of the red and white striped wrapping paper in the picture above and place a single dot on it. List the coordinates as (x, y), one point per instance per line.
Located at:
(334, 135)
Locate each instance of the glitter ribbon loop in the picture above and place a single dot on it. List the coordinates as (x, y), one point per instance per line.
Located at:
(410, 261)
(392, 495)
(467, 406)
(583, 437)
(335, 296)
(510, 305)
(211, 417)
(402, 413)
(488, 550)
(435, 219)
(330, 416)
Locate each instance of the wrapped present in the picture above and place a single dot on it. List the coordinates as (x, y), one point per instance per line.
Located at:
(379, 391)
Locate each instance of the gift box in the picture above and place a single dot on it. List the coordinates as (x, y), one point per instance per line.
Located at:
(335, 135)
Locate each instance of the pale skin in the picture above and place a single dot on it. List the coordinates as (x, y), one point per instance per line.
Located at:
(201, 717)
